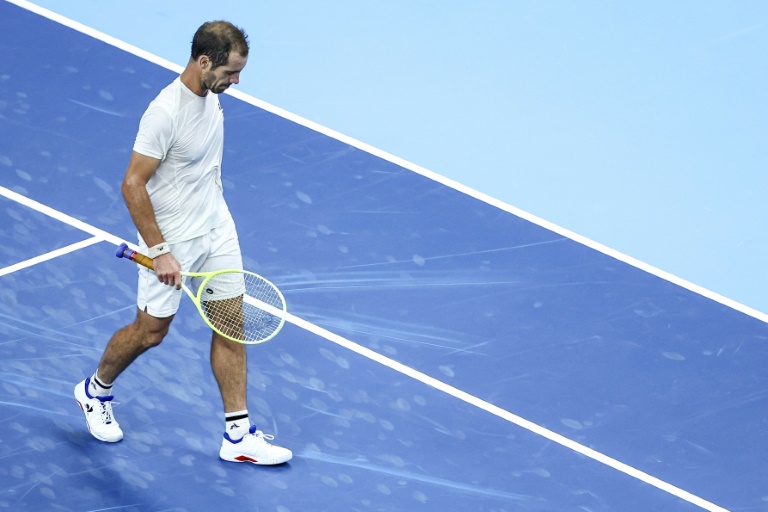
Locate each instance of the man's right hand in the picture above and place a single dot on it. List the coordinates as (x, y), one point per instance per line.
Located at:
(168, 270)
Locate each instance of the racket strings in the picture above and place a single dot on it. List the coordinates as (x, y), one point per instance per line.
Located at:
(253, 312)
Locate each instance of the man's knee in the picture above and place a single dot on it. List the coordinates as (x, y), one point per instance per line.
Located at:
(152, 339)
(152, 330)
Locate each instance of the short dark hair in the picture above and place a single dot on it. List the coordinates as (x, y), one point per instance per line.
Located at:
(217, 39)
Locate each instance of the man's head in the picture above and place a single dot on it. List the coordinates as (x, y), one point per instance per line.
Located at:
(221, 50)
(217, 39)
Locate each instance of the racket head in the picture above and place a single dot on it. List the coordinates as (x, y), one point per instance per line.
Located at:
(241, 306)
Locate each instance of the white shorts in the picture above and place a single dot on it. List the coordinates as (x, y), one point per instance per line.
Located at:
(218, 250)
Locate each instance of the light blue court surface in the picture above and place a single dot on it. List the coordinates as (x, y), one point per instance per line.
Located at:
(443, 353)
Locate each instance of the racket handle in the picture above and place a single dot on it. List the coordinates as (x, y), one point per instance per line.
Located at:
(123, 251)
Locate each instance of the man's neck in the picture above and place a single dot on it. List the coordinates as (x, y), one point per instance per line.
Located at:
(191, 78)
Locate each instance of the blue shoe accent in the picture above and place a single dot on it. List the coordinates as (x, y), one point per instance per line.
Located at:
(101, 399)
(87, 385)
(251, 430)
(226, 436)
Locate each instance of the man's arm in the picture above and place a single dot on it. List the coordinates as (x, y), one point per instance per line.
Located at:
(140, 169)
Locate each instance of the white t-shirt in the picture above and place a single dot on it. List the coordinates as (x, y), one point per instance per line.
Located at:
(186, 132)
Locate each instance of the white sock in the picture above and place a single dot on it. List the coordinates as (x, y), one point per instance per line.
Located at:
(97, 387)
(237, 424)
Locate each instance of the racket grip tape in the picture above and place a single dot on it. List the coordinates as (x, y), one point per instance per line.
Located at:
(123, 251)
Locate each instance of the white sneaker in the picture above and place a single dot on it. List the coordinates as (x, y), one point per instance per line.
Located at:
(253, 447)
(98, 414)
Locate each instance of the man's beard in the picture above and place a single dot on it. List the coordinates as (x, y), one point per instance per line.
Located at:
(208, 82)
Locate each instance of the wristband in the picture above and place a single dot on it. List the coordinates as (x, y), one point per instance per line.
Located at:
(159, 250)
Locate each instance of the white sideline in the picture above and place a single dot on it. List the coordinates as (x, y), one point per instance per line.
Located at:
(506, 415)
(66, 219)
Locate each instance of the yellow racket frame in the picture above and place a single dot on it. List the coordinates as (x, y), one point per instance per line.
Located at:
(123, 251)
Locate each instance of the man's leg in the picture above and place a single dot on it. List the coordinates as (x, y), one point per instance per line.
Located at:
(228, 361)
(130, 342)
(125, 346)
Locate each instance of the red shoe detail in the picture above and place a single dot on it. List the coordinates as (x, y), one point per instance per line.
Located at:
(243, 458)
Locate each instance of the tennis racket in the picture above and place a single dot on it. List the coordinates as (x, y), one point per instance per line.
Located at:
(239, 305)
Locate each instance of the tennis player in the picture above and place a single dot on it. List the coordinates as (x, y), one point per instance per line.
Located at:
(173, 191)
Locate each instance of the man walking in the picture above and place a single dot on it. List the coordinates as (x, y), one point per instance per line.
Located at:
(173, 191)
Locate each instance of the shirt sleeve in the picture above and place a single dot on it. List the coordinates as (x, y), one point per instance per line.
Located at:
(155, 135)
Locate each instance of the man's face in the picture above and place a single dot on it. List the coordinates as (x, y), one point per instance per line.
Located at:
(219, 79)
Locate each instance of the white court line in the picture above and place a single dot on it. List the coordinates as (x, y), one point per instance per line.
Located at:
(101, 36)
(700, 290)
(468, 191)
(504, 414)
(66, 219)
(49, 256)
(405, 370)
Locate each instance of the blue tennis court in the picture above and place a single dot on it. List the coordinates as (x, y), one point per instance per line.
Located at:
(444, 352)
